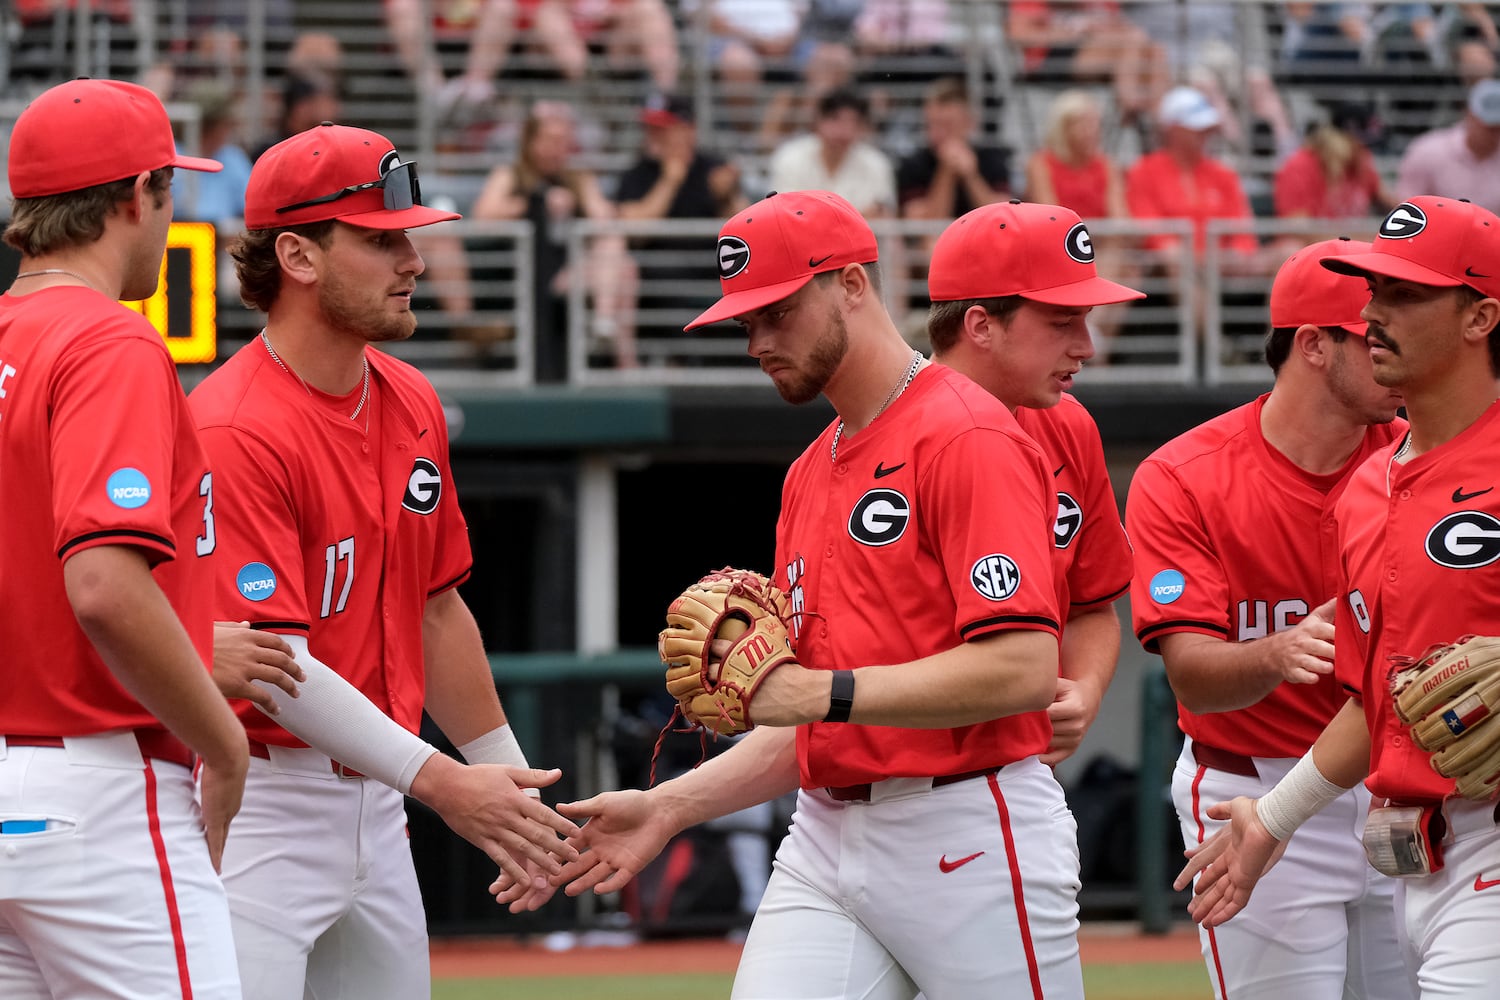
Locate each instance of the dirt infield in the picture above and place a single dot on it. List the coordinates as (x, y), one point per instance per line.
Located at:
(476, 957)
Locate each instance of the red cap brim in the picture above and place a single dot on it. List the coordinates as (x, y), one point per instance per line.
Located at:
(1088, 292)
(406, 218)
(196, 163)
(748, 300)
(1389, 265)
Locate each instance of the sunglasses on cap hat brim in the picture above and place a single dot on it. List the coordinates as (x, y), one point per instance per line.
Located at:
(399, 186)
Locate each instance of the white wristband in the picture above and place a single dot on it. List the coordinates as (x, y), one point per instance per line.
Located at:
(335, 717)
(498, 746)
(1296, 798)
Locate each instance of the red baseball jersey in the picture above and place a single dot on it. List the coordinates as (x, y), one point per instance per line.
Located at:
(337, 535)
(1421, 546)
(934, 527)
(1234, 541)
(96, 448)
(1092, 559)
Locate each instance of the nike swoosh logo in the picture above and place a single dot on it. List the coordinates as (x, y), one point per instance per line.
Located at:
(1059, 469)
(1468, 270)
(815, 263)
(945, 866)
(881, 471)
(1481, 884)
(1459, 496)
(424, 432)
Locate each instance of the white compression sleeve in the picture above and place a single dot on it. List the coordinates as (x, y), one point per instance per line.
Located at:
(333, 716)
(498, 746)
(1296, 798)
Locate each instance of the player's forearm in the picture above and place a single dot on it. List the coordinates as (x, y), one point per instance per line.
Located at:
(998, 675)
(760, 767)
(1090, 648)
(139, 637)
(335, 717)
(460, 693)
(1209, 674)
(1342, 751)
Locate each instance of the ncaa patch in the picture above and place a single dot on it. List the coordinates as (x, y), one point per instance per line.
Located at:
(1405, 221)
(255, 581)
(128, 488)
(995, 577)
(879, 518)
(734, 257)
(1079, 244)
(1166, 586)
(424, 487)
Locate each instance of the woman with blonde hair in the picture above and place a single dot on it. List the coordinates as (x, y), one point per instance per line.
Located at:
(1072, 169)
(542, 186)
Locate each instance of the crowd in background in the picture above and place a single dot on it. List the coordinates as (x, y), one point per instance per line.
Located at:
(1145, 111)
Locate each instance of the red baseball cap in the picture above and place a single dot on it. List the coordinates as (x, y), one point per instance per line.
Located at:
(88, 132)
(1305, 291)
(1039, 252)
(665, 111)
(336, 172)
(1432, 240)
(775, 246)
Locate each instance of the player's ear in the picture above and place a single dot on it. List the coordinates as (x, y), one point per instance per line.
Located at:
(979, 327)
(295, 254)
(135, 206)
(1481, 319)
(1312, 345)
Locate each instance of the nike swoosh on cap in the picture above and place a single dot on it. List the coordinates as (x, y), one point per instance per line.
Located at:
(1468, 270)
(815, 263)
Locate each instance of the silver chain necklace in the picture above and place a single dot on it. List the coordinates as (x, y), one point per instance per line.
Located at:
(55, 270)
(896, 390)
(364, 393)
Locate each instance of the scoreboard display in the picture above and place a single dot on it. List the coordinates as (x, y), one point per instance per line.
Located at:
(184, 308)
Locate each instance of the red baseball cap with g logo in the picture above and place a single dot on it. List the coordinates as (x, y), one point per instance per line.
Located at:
(84, 133)
(1432, 240)
(775, 246)
(1305, 291)
(336, 172)
(1039, 252)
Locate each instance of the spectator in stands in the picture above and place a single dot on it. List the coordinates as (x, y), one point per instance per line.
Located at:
(1071, 169)
(1460, 160)
(1332, 176)
(1476, 43)
(306, 100)
(838, 157)
(480, 32)
(544, 187)
(42, 48)
(577, 34)
(950, 175)
(793, 109)
(1181, 179)
(217, 198)
(674, 179)
(1086, 42)
(744, 35)
(904, 28)
(1220, 50)
(1323, 37)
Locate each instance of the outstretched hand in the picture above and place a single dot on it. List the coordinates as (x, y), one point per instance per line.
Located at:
(1228, 864)
(622, 833)
(243, 654)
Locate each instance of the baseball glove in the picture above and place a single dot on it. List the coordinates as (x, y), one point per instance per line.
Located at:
(733, 604)
(1449, 697)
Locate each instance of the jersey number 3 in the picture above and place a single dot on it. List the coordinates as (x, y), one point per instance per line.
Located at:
(206, 541)
(340, 552)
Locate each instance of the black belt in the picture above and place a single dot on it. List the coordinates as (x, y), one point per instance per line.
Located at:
(861, 793)
(1224, 760)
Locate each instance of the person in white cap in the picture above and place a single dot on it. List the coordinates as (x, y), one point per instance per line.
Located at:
(1461, 160)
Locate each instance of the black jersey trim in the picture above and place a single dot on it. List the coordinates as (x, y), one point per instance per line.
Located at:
(121, 533)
